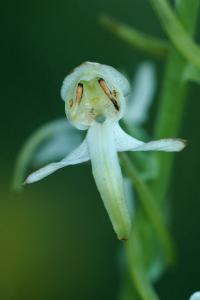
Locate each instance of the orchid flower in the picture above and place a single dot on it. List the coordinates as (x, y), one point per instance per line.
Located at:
(94, 96)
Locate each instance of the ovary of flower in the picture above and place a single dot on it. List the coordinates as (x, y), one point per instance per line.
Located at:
(94, 96)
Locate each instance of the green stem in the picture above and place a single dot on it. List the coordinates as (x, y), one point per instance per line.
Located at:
(135, 38)
(170, 115)
(128, 290)
(137, 274)
(174, 28)
(151, 209)
(173, 97)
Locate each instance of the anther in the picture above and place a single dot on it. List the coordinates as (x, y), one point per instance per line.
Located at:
(104, 87)
(79, 93)
(110, 95)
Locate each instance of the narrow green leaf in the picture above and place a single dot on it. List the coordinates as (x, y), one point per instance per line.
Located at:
(191, 73)
(135, 38)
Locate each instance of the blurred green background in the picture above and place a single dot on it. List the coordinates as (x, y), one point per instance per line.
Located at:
(56, 241)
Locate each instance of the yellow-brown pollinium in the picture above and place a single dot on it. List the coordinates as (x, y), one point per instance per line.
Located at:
(111, 95)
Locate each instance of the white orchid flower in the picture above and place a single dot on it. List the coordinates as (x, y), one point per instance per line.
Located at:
(94, 96)
(195, 296)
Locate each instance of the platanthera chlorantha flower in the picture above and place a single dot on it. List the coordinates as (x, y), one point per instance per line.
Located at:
(94, 96)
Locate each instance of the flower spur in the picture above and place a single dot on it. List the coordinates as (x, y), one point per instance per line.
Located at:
(94, 96)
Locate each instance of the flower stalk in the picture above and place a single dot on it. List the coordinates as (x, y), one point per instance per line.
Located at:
(173, 96)
(151, 208)
(136, 270)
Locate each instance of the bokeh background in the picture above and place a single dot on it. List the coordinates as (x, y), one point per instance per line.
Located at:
(56, 241)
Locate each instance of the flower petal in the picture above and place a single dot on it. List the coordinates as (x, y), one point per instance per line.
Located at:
(108, 176)
(167, 145)
(58, 145)
(125, 142)
(195, 296)
(50, 142)
(79, 155)
(140, 99)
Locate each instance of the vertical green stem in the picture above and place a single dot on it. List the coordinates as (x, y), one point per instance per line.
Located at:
(173, 97)
(149, 206)
(177, 29)
(138, 275)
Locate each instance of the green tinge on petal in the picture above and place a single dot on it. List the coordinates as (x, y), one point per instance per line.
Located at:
(108, 176)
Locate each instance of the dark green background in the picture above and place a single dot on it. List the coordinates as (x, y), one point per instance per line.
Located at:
(56, 241)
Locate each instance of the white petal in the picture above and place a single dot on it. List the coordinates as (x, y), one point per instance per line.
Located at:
(79, 155)
(139, 101)
(50, 142)
(108, 177)
(167, 145)
(195, 296)
(125, 142)
(63, 139)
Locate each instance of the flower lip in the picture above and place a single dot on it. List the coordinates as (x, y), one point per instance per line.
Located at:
(93, 90)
